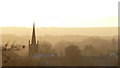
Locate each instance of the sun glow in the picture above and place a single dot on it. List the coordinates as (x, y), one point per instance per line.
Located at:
(59, 13)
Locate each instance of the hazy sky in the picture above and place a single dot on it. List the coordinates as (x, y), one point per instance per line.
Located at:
(59, 13)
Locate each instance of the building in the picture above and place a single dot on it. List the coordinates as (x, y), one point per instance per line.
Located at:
(33, 45)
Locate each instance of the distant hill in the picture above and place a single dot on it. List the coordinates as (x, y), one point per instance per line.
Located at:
(93, 31)
(11, 38)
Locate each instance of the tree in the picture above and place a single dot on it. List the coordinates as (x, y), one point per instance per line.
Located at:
(72, 51)
(90, 50)
(46, 48)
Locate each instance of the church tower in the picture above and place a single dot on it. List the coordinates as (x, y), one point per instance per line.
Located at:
(33, 45)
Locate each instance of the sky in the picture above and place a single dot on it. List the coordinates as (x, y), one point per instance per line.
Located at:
(59, 13)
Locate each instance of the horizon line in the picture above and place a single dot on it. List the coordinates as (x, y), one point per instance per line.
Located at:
(61, 27)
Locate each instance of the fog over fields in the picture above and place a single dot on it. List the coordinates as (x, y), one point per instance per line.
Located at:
(84, 44)
(56, 31)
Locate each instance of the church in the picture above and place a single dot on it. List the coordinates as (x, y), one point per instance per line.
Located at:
(33, 45)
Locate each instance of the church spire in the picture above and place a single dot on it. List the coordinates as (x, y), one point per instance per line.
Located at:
(33, 34)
